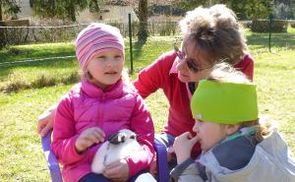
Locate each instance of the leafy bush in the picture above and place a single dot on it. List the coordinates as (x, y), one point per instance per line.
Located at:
(263, 25)
(17, 81)
(246, 24)
(163, 27)
(24, 22)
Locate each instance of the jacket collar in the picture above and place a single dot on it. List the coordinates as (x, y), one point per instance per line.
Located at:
(113, 91)
(173, 70)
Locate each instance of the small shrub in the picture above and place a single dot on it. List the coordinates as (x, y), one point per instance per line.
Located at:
(43, 81)
(24, 22)
(163, 28)
(17, 81)
(277, 26)
(70, 78)
(14, 85)
(246, 24)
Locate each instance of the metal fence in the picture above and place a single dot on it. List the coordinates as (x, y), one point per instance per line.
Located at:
(15, 35)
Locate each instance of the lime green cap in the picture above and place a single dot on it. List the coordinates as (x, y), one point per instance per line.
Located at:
(224, 102)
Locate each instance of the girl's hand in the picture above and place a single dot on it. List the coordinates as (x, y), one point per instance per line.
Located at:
(117, 171)
(88, 137)
(183, 145)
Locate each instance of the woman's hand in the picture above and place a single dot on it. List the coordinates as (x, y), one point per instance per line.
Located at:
(89, 137)
(183, 145)
(117, 171)
(45, 123)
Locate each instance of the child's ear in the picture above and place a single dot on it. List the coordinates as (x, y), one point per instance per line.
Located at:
(231, 128)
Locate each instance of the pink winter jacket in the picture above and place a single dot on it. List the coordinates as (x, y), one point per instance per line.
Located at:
(113, 109)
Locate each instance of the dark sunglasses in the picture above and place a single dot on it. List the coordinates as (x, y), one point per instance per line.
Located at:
(192, 66)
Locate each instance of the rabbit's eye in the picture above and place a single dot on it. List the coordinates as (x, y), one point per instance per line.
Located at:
(122, 138)
(132, 137)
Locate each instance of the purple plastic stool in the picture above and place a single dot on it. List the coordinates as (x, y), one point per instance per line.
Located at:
(162, 163)
(51, 159)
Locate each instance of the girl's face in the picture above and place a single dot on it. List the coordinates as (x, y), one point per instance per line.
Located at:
(193, 64)
(106, 67)
(209, 133)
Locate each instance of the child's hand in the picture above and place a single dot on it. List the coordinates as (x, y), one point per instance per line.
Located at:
(117, 171)
(88, 137)
(183, 145)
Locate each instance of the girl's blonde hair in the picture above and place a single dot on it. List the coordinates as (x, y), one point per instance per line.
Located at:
(224, 72)
(216, 31)
(264, 127)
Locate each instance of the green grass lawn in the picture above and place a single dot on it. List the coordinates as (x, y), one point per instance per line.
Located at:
(40, 84)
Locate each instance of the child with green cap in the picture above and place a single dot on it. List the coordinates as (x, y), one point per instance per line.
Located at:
(235, 145)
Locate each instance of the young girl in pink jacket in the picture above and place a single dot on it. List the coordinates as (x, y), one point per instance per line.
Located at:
(99, 106)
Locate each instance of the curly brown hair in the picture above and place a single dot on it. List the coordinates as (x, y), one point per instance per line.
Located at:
(263, 128)
(216, 31)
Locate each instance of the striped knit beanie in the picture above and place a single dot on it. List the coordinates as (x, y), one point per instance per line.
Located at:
(96, 38)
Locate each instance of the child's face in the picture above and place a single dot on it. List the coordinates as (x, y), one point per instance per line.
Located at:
(193, 65)
(106, 67)
(209, 133)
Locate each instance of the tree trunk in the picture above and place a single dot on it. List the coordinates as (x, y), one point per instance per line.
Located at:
(143, 17)
(72, 12)
(2, 38)
(1, 18)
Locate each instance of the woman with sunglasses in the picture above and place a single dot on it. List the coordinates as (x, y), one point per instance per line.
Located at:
(210, 35)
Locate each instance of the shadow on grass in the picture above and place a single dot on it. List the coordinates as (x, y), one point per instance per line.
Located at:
(143, 53)
(16, 53)
(13, 80)
(137, 53)
(6, 69)
(37, 56)
(138, 49)
(278, 40)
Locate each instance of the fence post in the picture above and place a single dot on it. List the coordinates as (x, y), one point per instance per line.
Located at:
(130, 42)
(3, 40)
(270, 30)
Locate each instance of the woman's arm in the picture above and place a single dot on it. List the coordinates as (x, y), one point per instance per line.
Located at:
(151, 78)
